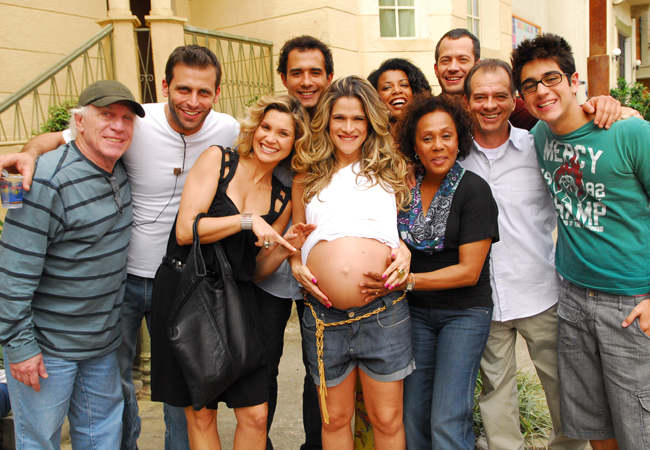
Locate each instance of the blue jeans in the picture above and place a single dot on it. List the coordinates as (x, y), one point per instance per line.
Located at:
(5, 404)
(135, 307)
(439, 394)
(379, 345)
(87, 391)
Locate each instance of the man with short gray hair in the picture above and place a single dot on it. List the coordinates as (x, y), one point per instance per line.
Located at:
(63, 269)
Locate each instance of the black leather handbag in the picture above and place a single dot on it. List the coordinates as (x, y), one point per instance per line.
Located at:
(213, 336)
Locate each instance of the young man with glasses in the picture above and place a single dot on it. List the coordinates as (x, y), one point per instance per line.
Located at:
(62, 268)
(600, 183)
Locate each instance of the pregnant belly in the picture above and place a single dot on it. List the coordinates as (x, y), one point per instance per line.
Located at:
(339, 265)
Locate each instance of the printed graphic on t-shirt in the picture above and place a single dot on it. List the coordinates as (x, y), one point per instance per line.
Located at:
(573, 181)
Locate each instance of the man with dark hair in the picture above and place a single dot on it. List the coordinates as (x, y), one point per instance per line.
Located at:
(62, 269)
(600, 183)
(525, 285)
(458, 51)
(306, 67)
(192, 56)
(167, 142)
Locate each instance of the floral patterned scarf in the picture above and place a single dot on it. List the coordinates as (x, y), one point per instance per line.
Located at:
(427, 232)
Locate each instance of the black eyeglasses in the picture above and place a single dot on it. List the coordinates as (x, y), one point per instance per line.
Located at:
(115, 186)
(548, 80)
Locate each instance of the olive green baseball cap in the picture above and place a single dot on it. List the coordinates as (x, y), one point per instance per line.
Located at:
(107, 92)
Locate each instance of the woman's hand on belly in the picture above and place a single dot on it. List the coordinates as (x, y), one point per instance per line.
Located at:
(398, 266)
(376, 288)
(309, 282)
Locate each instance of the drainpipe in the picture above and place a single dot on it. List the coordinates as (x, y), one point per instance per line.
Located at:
(598, 60)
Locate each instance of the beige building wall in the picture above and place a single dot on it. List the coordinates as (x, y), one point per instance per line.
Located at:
(35, 34)
(351, 28)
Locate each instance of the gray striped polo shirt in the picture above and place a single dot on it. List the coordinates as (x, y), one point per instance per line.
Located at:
(63, 260)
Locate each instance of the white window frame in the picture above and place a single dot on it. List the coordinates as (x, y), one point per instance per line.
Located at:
(474, 17)
(395, 7)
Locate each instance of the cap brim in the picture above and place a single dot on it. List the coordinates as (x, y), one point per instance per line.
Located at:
(110, 99)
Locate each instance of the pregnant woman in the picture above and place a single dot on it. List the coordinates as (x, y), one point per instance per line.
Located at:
(350, 185)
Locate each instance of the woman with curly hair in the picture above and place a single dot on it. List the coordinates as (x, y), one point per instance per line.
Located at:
(397, 80)
(449, 228)
(350, 185)
(247, 209)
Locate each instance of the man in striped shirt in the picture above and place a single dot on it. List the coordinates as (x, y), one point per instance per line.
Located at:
(62, 272)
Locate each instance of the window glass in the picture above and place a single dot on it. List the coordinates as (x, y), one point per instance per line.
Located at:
(397, 18)
(406, 23)
(387, 23)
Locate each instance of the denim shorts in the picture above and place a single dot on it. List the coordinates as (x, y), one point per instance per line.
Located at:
(380, 345)
(604, 368)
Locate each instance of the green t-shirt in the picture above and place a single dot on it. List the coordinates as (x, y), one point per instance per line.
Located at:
(600, 183)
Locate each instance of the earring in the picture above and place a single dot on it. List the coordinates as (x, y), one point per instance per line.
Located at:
(457, 151)
(417, 158)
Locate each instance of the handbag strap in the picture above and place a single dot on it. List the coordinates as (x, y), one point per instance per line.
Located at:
(226, 270)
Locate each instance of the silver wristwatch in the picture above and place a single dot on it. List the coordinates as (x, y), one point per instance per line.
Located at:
(410, 284)
(246, 221)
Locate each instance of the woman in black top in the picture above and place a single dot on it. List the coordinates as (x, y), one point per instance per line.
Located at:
(247, 209)
(449, 228)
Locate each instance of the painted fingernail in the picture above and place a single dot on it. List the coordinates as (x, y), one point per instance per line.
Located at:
(313, 280)
(383, 276)
(392, 256)
(390, 288)
(386, 285)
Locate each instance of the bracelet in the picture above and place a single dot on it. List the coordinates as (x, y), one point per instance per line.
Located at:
(246, 221)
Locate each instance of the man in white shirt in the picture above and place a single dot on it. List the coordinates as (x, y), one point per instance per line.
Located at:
(524, 281)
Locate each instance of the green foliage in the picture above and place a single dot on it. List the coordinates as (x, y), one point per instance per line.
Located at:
(59, 116)
(632, 95)
(534, 418)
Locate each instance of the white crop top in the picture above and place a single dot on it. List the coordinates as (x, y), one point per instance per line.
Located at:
(347, 208)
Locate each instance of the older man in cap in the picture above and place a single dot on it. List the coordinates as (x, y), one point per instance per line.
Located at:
(62, 272)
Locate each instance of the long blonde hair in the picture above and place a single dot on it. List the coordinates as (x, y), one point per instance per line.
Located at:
(282, 103)
(379, 161)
